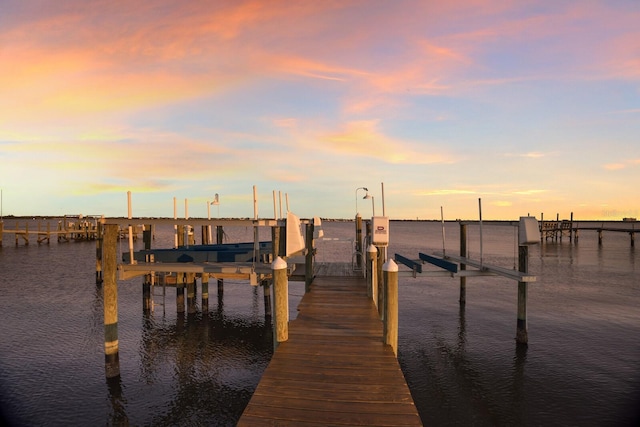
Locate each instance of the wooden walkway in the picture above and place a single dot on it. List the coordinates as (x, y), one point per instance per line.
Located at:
(334, 370)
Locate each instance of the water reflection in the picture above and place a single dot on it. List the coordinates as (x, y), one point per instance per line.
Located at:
(207, 362)
(118, 414)
(518, 406)
(462, 329)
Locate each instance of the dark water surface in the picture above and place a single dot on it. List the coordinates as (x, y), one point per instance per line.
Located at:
(582, 365)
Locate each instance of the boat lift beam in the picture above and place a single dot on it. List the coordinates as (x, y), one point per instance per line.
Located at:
(451, 269)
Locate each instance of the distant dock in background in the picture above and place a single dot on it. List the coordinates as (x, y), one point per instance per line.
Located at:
(555, 230)
(69, 228)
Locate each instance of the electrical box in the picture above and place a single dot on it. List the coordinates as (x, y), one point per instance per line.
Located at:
(380, 230)
(528, 231)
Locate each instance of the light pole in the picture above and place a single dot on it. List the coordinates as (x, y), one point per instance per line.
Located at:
(216, 201)
(373, 206)
(360, 188)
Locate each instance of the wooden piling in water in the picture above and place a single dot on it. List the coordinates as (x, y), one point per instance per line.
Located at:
(205, 292)
(280, 301)
(308, 258)
(180, 293)
(380, 280)
(219, 240)
(110, 301)
(147, 303)
(463, 253)
(266, 290)
(191, 292)
(359, 250)
(372, 273)
(390, 323)
(146, 294)
(522, 335)
(99, 245)
(204, 230)
(180, 235)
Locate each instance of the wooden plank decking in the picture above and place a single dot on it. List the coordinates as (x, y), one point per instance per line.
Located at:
(334, 369)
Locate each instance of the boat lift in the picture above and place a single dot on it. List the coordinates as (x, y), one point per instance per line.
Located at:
(456, 266)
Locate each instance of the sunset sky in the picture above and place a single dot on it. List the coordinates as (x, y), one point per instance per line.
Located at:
(532, 106)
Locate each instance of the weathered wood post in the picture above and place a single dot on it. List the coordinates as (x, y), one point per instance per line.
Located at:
(380, 279)
(204, 235)
(99, 243)
(180, 293)
(359, 250)
(24, 236)
(110, 299)
(372, 273)
(571, 228)
(191, 292)
(191, 235)
(367, 232)
(147, 236)
(600, 237)
(280, 302)
(308, 257)
(205, 292)
(522, 335)
(632, 235)
(219, 240)
(266, 290)
(463, 252)
(146, 294)
(275, 241)
(180, 235)
(390, 323)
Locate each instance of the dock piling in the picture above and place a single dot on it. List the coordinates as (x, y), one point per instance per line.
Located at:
(191, 292)
(99, 244)
(390, 324)
(372, 271)
(463, 253)
(110, 298)
(522, 335)
(266, 290)
(205, 292)
(180, 293)
(280, 302)
(308, 258)
(359, 242)
(380, 280)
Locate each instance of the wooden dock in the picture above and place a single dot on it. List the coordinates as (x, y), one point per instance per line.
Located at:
(334, 369)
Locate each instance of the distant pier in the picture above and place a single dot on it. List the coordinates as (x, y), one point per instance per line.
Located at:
(558, 229)
(68, 228)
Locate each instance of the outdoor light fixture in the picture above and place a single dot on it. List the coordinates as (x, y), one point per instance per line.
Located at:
(366, 196)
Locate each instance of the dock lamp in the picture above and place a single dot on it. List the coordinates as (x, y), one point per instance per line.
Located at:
(216, 202)
(365, 197)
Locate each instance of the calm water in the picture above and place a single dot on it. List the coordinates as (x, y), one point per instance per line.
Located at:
(463, 367)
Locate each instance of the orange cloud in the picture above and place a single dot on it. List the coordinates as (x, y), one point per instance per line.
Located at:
(363, 138)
